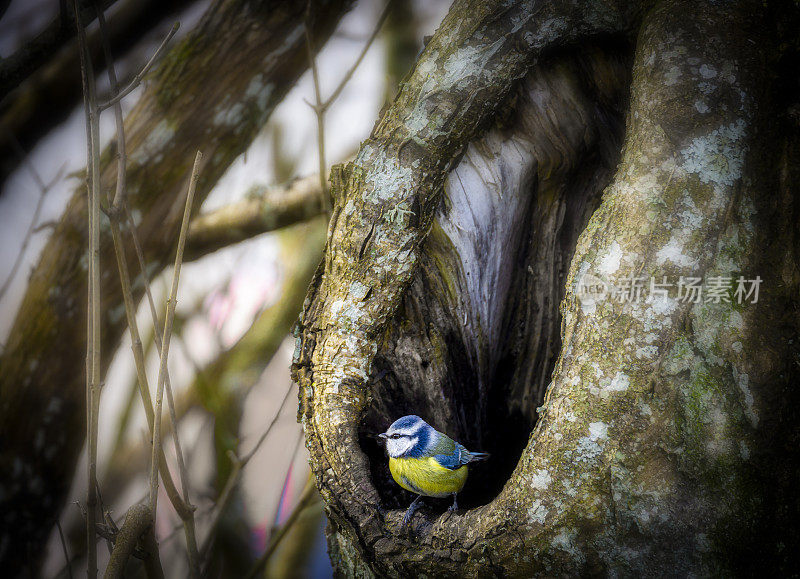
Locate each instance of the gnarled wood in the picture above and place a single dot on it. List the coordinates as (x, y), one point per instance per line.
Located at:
(651, 449)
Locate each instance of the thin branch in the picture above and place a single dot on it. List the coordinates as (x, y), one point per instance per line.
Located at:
(305, 499)
(17, 67)
(269, 428)
(320, 113)
(44, 189)
(138, 78)
(235, 475)
(93, 309)
(165, 339)
(112, 80)
(186, 512)
(123, 421)
(320, 107)
(364, 51)
(182, 507)
(67, 561)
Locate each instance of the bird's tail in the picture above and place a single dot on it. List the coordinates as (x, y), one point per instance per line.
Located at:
(477, 456)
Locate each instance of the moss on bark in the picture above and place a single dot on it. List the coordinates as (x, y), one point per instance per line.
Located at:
(651, 445)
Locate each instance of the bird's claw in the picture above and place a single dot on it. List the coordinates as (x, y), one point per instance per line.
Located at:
(454, 507)
(412, 508)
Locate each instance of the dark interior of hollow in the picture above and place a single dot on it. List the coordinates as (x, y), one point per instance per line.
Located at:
(423, 366)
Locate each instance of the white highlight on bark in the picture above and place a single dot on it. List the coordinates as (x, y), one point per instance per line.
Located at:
(537, 512)
(673, 251)
(541, 479)
(609, 263)
(388, 177)
(707, 71)
(619, 383)
(565, 541)
(719, 156)
(598, 431)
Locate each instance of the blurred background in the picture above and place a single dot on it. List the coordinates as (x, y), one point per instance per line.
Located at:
(231, 351)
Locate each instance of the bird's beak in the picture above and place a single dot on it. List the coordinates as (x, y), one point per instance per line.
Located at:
(383, 435)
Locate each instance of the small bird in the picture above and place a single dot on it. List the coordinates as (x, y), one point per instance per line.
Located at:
(425, 461)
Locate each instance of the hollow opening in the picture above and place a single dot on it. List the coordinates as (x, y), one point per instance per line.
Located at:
(472, 348)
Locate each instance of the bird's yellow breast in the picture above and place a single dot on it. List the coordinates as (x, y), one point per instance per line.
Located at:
(425, 476)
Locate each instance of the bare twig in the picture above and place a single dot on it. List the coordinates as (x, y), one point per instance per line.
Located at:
(93, 317)
(123, 421)
(186, 512)
(361, 56)
(112, 80)
(305, 499)
(165, 338)
(269, 428)
(184, 507)
(320, 107)
(67, 561)
(16, 68)
(138, 78)
(44, 189)
(235, 475)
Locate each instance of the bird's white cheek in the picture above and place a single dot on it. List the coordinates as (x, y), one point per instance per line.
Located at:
(398, 446)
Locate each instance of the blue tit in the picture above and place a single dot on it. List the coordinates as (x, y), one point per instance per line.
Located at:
(425, 461)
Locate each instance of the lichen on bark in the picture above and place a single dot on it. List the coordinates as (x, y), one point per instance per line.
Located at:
(651, 447)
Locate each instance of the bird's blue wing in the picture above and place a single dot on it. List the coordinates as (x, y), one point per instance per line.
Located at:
(450, 461)
(449, 453)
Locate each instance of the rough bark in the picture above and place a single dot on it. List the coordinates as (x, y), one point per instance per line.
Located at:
(40, 85)
(38, 50)
(137, 528)
(213, 92)
(654, 450)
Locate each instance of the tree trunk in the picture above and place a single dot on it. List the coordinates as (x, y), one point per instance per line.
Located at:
(634, 434)
(213, 92)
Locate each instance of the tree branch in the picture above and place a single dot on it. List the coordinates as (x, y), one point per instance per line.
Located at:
(624, 457)
(46, 95)
(196, 99)
(264, 209)
(167, 335)
(138, 528)
(385, 203)
(228, 379)
(36, 52)
(145, 69)
(320, 106)
(93, 295)
(44, 188)
(307, 496)
(235, 475)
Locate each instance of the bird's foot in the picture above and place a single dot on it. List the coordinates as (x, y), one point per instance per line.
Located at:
(454, 506)
(412, 508)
